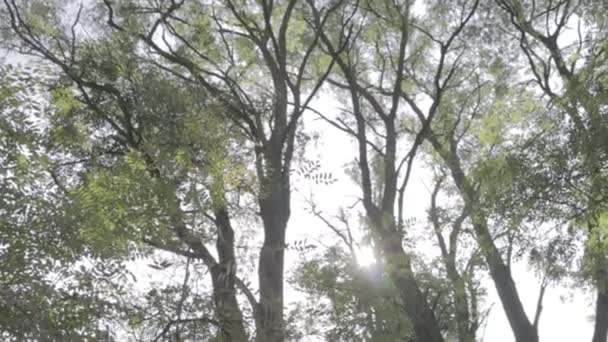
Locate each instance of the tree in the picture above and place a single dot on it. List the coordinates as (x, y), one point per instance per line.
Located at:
(580, 93)
(36, 246)
(377, 87)
(218, 51)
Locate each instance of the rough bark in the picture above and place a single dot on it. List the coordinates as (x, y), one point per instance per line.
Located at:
(222, 271)
(275, 211)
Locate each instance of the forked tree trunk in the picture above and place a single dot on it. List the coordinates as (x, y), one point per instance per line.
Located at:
(523, 329)
(223, 276)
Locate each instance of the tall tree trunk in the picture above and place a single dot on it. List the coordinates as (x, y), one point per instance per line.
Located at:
(382, 217)
(223, 270)
(275, 211)
(600, 333)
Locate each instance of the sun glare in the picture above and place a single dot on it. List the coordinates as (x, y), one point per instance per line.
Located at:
(365, 256)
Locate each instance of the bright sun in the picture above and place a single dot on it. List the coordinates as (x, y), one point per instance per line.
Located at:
(365, 256)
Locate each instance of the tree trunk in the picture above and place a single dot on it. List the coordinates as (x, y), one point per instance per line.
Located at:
(227, 308)
(523, 329)
(521, 326)
(461, 306)
(223, 277)
(223, 271)
(426, 327)
(275, 211)
(600, 333)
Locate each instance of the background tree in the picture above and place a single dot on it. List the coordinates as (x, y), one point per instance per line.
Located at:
(124, 148)
(390, 42)
(216, 49)
(38, 299)
(563, 45)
